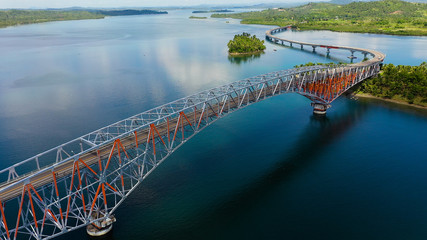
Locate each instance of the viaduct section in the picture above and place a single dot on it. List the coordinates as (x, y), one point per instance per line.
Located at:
(82, 182)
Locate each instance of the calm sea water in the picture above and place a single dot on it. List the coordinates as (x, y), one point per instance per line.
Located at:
(269, 171)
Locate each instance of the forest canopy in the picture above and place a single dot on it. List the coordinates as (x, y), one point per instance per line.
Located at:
(245, 44)
(402, 83)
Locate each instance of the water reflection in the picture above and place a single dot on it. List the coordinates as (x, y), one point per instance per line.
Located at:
(185, 65)
(244, 58)
(317, 136)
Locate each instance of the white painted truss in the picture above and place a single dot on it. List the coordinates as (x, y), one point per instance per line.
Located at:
(62, 189)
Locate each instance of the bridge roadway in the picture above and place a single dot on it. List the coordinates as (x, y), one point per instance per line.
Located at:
(15, 188)
(376, 55)
(90, 158)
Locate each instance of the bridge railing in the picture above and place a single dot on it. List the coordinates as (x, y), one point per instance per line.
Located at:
(60, 190)
(81, 145)
(78, 200)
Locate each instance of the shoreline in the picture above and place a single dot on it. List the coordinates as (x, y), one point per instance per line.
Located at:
(369, 96)
(245, 54)
(71, 15)
(404, 34)
(49, 21)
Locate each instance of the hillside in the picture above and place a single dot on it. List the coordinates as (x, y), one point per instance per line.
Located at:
(386, 16)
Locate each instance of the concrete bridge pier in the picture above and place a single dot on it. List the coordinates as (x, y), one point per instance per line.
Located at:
(365, 54)
(352, 57)
(102, 227)
(328, 51)
(319, 108)
(291, 44)
(314, 48)
(302, 47)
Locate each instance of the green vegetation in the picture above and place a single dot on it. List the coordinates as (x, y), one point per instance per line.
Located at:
(401, 83)
(218, 11)
(244, 58)
(195, 17)
(245, 44)
(386, 17)
(128, 12)
(18, 17)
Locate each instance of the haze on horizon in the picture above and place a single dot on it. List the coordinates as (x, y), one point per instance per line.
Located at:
(130, 3)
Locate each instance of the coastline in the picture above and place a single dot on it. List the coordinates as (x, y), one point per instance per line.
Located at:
(305, 28)
(234, 54)
(48, 21)
(28, 17)
(369, 96)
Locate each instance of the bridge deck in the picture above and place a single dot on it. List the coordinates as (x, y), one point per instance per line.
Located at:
(319, 83)
(377, 56)
(90, 158)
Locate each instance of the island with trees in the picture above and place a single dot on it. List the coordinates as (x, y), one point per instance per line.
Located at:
(394, 17)
(245, 44)
(196, 17)
(126, 12)
(213, 11)
(18, 17)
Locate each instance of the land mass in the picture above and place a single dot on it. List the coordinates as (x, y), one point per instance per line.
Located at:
(195, 17)
(18, 17)
(245, 44)
(394, 17)
(210, 11)
(407, 84)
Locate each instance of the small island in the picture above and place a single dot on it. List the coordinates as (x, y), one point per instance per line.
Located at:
(245, 44)
(195, 17)
(213, 11)
(127, 12)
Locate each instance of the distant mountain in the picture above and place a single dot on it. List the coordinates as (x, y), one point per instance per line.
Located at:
(275, 5)
(344, 2)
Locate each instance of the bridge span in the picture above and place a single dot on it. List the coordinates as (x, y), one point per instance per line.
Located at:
(82, 182)
(375, 55)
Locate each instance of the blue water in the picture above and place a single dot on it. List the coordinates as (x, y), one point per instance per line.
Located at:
(269, 171)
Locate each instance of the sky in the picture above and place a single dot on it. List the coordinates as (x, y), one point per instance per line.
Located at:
(127, 3)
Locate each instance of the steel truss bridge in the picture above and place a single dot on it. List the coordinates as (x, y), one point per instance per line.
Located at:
(83, 181)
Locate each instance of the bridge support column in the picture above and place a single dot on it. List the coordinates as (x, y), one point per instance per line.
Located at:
(328, 51)
(302, 47)
(101, 227)
(314, 49)
(352, 57)
(319, 108)
(291, 44)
